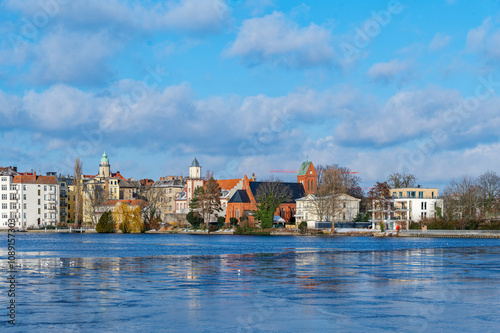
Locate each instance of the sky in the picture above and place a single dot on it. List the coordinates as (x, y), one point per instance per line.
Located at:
(248, 86)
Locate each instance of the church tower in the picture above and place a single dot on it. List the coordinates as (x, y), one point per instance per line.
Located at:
(308, 177)
(104, 171)
(195, 170)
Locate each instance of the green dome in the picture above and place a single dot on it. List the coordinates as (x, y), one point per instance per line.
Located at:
(104, 158)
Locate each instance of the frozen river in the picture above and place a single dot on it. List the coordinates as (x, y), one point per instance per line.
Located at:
(194, 283)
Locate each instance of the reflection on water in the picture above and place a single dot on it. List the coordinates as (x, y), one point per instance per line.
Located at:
(302, 285)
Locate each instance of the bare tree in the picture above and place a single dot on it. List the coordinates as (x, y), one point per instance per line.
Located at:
(380, 201)
(462, 198)
(270, 195)
(94, 196)
(401, 180)
(152, 212)
(333, 184)
(78, 181)
(206, 200)
(489, 186)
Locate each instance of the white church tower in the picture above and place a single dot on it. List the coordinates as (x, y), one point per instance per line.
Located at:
(195, 170)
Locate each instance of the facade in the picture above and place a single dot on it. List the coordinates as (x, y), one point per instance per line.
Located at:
(346, 211)
(308, 177)
(244, 202)
(128, 189)
(183, 198)
(6, 193)
(63, 199)
(35, 200)
(414, 204)
(166, 191)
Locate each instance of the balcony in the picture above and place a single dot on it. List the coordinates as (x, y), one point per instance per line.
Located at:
(414, 197)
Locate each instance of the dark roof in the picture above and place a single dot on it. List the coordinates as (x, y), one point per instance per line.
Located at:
(195, 163)
(296, 188)
(240, 196)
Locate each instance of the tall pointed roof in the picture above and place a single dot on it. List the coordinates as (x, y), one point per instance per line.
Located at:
(104, 158)
(195, 163)
(303, 168)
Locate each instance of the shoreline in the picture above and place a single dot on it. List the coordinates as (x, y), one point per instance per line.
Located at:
(487, 234)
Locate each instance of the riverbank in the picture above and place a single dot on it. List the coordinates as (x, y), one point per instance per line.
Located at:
(324, 233)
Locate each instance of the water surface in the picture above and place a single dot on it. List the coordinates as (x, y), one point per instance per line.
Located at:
(168, 282)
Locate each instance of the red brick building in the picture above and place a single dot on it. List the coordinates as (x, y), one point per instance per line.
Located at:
(244, 201)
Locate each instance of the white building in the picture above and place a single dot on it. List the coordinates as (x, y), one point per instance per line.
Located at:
(414, 204)
(6, 193)
(35, 200)
(346, 211)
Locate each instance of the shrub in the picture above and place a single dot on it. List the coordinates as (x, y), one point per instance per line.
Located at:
(303, 227)
(194, 219)
(105, 224)
(233, 221)
(213, 227)
(220, 221)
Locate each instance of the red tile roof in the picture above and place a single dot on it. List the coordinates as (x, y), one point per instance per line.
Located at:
(23, 179)
(227, 184)
(118, 175)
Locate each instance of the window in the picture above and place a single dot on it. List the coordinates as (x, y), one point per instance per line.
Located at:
(4, 179)
(237, 213)
(421, 195)
(24, 196)
(432, 194)
(4, 196)
(24, 206)
(4, 187)
(39, 202)
(38, 191)
(45, 187)
(394, 195)
(4, 206)
(24, 187)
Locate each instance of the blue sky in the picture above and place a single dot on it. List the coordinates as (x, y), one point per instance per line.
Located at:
(251, 85)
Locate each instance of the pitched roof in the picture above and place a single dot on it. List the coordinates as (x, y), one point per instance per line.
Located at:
(195, 163)
(227, 184)
(8, 171)
(118, 175)
(303, 168)
(240, 196)
(169, 183)
(31, 179)
(296, 188)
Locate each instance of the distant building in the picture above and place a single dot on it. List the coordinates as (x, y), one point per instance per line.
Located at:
(347, 207)
(308, 177)
(244, 201)
(414, 204)
(165, 193)
(35, 200)
(7, 210)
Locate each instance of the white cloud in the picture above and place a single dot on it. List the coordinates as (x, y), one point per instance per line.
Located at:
(439, 41)
(70, 57)
(59, 108)
(194, 16)
(277, 40)
(389, 71)
(485, 40)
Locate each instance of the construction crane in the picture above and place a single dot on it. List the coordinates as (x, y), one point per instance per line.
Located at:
(297, 171)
